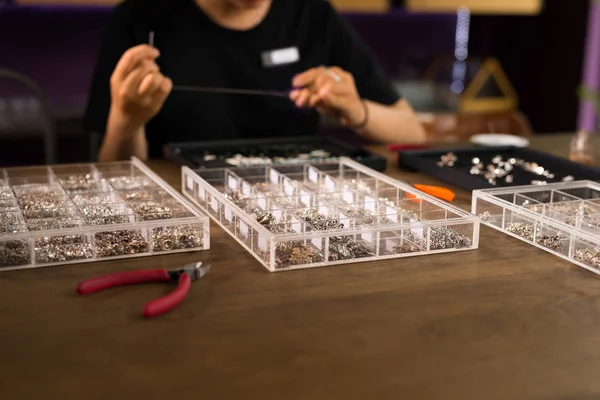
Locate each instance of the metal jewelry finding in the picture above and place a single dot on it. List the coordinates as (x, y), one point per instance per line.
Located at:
(500, 169)
(6, 193)
(130, 182)
(296, 253)
(238, 200)
(486, 216)
(345, 248)
(319, 222)
(447, 160)
(588, 256)
(362, 216)
(240, 160)
(62, 248)
(118, 243)
(166, 238)
(440, 238)
(104, 214)
(264, 218)
(46, 224)
(78, 183)
(152, 211)
(446, 238)
(532, 233)
(14, 252)
(406, 247)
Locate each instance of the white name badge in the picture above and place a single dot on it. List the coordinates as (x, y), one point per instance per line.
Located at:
(274, 58)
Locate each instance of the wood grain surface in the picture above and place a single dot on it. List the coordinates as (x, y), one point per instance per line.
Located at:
(505, 322)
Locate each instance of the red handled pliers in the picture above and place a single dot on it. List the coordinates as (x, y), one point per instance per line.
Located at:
(183, 276)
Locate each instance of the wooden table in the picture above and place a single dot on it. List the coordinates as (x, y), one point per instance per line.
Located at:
(505, 322)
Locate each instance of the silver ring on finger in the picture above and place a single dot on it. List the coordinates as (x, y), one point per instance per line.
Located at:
(334, 75)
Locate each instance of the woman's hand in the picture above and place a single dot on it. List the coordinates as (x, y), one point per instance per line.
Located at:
(138, 89)
(332, 92)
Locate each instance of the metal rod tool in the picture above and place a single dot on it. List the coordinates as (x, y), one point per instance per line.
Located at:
(232, 91)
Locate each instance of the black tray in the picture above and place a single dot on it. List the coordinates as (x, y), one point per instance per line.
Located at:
(425, 161)
(192, 154)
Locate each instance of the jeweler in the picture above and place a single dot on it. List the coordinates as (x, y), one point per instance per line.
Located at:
(300, 46)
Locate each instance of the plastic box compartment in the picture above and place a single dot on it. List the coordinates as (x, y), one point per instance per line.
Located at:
(314, 215)
(425, 161)
(561, 218)
(193, 154)
(54, 215)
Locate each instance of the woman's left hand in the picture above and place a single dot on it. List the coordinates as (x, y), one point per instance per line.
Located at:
(332, 92)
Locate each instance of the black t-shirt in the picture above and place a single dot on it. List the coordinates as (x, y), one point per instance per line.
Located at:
(195, 51)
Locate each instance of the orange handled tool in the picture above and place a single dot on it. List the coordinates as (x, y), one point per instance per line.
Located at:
(435, 191)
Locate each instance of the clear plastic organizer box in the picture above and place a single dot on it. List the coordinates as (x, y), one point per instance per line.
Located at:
(313, 215)
(561, 218)
(76, 213)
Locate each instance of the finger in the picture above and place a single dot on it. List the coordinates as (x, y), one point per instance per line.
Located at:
(317, 98)
(150, 83)
(131, 58)
(163, 91)
(314, 99)
(330, 97)
(167, 86)
(306, 78)
(132, 81)
(324, 83)
(321, 95)
(303, 98)
(321, 78)
(294, 95)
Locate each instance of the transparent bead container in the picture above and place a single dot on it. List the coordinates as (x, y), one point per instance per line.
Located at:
(315, 215)
(560, 218)
(77, 213)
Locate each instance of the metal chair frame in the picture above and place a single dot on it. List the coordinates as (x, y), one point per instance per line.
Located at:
(49, 122)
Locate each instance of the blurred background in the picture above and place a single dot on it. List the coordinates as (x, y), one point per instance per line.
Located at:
(471, 66)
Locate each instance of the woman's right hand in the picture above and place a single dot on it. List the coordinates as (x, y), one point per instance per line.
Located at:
(138, 89)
